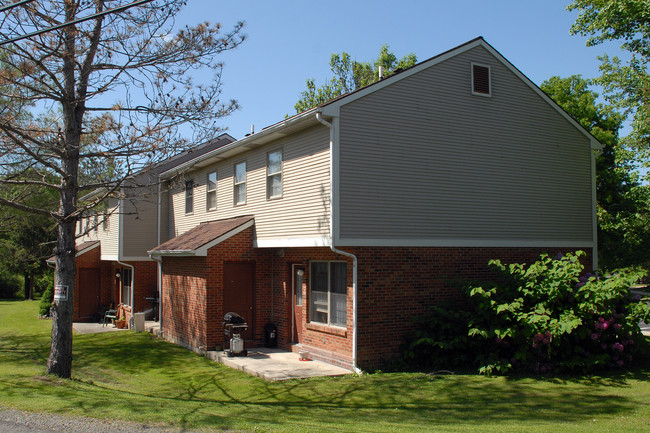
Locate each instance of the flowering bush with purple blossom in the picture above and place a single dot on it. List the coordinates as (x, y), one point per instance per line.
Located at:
(547, 317)
(551, 316)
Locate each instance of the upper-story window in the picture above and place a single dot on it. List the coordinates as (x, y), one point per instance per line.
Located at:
(211, 191)
(274, 174)
(189, 196)
(240, 183)
(481, 80)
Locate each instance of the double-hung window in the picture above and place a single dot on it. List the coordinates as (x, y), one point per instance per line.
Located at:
(189, 196)
(211, 191)
(274, 174)
(240, 183)
(328, 300)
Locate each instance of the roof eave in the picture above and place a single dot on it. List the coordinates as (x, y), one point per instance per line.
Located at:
(263, 136)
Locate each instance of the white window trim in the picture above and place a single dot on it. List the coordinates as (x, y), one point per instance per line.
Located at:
(235, 183)
(269, 176)
(471, 73)
(329, 294)
(208, 190)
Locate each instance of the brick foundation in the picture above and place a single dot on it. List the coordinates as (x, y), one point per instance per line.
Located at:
(394, 285)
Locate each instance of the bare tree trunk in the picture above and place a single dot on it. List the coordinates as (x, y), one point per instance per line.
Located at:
(60, 361)
(28, 286)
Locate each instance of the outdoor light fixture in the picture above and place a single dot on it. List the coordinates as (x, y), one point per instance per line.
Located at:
(117, 275)
(300, 272)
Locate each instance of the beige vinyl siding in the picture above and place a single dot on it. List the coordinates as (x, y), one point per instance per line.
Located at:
(108, 237)
(424, 159)
(303, 210)
(140, 223)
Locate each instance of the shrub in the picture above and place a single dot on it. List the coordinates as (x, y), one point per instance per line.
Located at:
(46, 301)
(549, 317)
(441, 340)
(10, 285)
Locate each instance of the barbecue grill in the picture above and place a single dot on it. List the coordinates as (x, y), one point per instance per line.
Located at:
(234, 327)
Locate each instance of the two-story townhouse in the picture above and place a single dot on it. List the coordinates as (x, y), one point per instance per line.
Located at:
(113, 266)
(342, 223)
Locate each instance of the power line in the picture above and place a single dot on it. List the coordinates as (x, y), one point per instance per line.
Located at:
(13, 5)
(73, 22)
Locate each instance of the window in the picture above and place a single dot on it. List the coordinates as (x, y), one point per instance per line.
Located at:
(274, 174)
(189, 196)
(240, 183)
(211, 191)
(328, 300)
(481, 78)
(127, 281)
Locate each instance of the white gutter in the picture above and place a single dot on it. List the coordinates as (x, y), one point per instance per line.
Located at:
(357, 370)
(120, 232)
(159, 259)
(264, 134)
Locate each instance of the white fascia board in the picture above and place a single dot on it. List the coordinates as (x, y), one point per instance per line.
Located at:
(482, 243)
(203, 250)
(136, 259)
(292, 242)
(175, 253)
(108, 258)
(271, 132)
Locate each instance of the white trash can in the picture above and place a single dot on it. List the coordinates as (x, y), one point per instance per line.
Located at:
(139, 322)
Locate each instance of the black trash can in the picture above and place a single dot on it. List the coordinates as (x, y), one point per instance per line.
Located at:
(270, 335)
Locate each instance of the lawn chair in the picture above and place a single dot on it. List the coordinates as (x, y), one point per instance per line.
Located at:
(109, 315)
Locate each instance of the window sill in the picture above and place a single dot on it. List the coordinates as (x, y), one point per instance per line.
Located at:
(327, 329)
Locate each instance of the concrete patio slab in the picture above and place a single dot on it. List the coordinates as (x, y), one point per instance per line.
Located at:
(94, 328)
(276, 364)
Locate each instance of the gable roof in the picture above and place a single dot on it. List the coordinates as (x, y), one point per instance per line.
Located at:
(331, 109)
(198, 240)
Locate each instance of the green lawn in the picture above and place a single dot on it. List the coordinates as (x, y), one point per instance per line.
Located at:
(134, 376)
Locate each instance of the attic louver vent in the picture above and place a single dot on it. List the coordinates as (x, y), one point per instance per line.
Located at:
(481, 80)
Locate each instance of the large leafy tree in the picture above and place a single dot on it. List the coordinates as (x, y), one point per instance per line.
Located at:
(350, 75)
(118, 90)
(626, 81)
(623, 202)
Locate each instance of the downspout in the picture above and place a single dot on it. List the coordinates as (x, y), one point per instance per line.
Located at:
(336, 250)
(120, 233)
(158, 259)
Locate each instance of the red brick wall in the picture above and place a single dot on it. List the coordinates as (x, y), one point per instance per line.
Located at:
(396, 284)
(184, 304)
(90, 259)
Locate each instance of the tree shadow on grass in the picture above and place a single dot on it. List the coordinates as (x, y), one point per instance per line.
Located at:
(179, 387)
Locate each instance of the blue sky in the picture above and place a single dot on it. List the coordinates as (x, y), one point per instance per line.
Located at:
(289, 41)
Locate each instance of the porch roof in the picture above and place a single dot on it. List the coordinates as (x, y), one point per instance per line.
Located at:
(198, 240)
(80, 249)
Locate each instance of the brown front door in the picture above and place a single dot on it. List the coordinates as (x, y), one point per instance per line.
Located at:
(238, 283)
(297, 272)
(88, 293)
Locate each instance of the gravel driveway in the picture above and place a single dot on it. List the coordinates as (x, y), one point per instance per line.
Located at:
(15, 421)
